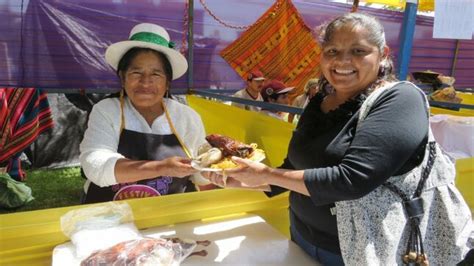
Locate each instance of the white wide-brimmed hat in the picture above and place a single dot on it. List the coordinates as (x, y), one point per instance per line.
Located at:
(147, 35)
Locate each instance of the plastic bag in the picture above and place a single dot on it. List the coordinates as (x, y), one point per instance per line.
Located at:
(145, 251)
(13, 194)
(95, 228)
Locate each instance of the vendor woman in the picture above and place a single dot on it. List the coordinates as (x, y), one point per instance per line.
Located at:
(139, 143)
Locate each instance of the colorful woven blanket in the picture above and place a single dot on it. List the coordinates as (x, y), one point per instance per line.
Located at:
(280, 45)
(24, 114)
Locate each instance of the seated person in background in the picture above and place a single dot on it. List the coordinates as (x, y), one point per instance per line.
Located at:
(255, 81)
(139, 143)
(310, 89)
(276, 92)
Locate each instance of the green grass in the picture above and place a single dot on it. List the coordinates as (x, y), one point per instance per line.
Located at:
(52, 188)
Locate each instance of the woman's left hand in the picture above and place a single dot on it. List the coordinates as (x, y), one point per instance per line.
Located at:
(249, 173)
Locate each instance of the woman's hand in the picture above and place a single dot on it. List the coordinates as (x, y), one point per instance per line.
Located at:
(177, 167)
(221, 179)
(255, 175)
(248, 174)
(127, 170)
(216, 178)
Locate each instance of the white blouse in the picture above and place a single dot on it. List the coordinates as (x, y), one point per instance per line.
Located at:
(100, 143)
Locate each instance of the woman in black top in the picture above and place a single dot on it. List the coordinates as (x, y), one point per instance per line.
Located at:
(329, 158)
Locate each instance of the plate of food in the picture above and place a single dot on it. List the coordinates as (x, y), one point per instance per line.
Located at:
(216, 154)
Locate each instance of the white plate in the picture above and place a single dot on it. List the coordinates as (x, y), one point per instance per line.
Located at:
(195, 165)
(257, 156)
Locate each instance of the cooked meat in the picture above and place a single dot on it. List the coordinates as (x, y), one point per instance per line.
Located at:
(228, 146)
(130, 253)
(146, 251)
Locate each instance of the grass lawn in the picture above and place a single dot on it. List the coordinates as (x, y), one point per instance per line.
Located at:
(52, 188)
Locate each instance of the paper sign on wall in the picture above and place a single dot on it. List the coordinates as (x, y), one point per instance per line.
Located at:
(454, 19)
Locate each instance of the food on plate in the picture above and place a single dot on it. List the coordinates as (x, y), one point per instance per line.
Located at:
(229, 146)
(217, 153)
(211, 156)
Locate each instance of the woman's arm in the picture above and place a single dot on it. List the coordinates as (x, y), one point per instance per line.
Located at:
(99, 145)
(254, 174)
(388, 137)
(190, 127)
(131, 170)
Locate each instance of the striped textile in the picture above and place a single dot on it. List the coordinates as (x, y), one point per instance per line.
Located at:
(280, 45)
(24, 114)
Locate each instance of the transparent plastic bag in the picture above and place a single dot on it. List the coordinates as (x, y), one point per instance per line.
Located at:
(145, 251)
(99, 227)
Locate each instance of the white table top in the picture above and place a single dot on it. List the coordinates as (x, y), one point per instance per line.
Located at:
(239, 240)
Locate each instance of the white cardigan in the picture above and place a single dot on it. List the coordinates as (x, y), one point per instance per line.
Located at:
(100, 143)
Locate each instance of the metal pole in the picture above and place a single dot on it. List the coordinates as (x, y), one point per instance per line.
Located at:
(455, 59)
(190, 44)
(355, 6)
(406, 38)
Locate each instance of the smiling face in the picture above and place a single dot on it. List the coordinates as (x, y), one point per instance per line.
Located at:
(145, 81)
(349, 61)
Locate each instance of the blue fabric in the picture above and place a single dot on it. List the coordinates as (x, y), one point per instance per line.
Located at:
(320, 255)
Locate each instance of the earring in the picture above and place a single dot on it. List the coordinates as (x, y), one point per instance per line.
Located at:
(382, 70)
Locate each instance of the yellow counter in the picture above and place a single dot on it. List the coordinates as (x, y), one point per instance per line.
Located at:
(29, 237)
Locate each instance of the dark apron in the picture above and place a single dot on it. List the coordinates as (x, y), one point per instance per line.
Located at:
(143, 146)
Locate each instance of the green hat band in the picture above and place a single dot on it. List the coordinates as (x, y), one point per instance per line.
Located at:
(151, 38)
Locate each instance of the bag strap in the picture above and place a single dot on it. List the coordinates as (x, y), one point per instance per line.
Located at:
(415, 252)
(424, 176)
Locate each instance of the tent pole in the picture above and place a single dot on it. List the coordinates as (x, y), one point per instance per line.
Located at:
(355, 6)
(406, 38)
(455, 59)
(190, 44)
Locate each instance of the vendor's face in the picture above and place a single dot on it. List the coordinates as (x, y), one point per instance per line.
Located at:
(145, 80)
(349, 61)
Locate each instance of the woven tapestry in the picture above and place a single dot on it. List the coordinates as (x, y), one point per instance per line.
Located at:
(24, 114)
(280, 45)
